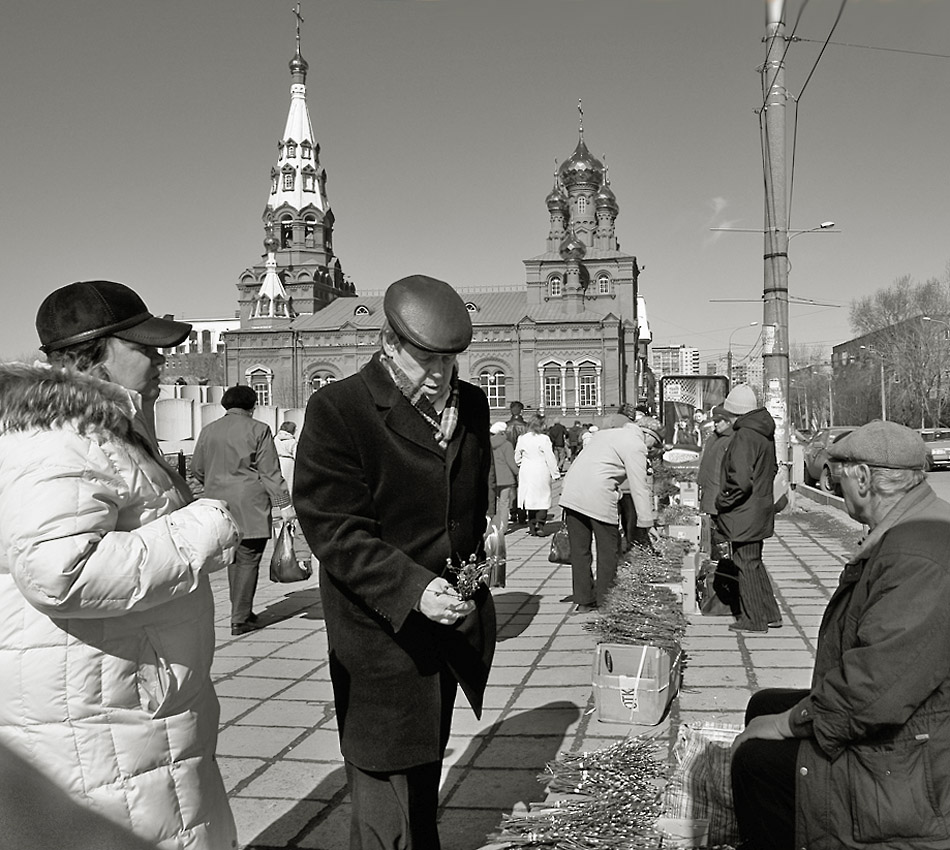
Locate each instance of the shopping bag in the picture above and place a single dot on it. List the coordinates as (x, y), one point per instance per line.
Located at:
(700, 786)
(284, 566)
(496, 552)
(780, 489)
(707, 599)
(560, 552)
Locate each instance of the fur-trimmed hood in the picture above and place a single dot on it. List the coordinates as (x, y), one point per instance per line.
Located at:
(42, 397)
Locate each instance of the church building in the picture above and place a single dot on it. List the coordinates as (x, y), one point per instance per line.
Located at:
(571, 341)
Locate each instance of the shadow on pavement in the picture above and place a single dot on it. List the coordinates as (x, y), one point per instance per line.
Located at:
(515, 611)
(303, 603)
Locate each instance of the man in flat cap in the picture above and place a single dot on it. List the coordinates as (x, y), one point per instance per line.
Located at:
(391, 487)
(862, 758)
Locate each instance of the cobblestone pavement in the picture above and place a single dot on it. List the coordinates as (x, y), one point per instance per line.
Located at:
(278, 746)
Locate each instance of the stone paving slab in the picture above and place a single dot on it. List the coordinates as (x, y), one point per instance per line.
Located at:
(279, 749)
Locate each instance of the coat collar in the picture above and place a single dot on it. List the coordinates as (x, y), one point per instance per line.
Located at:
(401, 416)
(913, 501)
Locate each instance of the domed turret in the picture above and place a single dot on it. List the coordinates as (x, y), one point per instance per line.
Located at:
(582, 167)
(298, 65)
(556, 200)
(605, 199)
(572, 248)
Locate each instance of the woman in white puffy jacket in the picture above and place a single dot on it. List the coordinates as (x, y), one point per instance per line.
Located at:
(106, 612)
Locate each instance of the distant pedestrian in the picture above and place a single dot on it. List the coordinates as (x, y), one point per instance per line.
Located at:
(745, 508)
(285, 441)
(516, 426)
(590, 497)
(709, 475)
(558, 434)
(574, 438)
(537, 467)
(236, 460)
(587, 433)
(506, 474)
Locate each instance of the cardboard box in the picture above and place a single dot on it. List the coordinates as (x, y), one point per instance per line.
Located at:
(685, 532)
(634, 683)
(689, 493)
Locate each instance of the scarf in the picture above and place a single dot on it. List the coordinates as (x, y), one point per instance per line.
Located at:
(444, 426)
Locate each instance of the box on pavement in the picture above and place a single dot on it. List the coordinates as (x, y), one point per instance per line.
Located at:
(634, 683)
(685, 532)
(689, 493)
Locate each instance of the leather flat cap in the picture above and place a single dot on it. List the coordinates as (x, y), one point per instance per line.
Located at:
(884, 444)
(428, 313)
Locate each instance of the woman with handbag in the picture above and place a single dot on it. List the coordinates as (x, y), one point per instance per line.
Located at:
(106, 611)
(537, 468)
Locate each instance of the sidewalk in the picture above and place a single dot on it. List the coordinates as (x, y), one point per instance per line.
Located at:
(278, 746)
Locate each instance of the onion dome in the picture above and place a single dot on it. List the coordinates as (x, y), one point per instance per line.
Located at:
(581, 167)
(556, 200)
(605, 199)
(572, 248)
(298, 65)
(270, 244)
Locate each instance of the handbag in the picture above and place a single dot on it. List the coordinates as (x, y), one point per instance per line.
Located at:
(780, 490)
(560, 552)
(284, 566)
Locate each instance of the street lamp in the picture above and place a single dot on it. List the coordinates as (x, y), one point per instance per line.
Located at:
(729, 349)
(830, 375)
(883, 393)
(825, 225)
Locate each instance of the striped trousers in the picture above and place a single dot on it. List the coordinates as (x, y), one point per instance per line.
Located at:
(756, 599)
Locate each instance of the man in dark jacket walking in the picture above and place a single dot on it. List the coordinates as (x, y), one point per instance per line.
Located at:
(745, 509)
(391, 487)
(859, 760)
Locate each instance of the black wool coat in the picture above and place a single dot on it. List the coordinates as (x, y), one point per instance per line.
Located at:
(745, 504)
(383, 506)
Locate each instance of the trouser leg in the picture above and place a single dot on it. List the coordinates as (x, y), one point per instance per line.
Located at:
(579, 534)
(242, 577)
(756, 598)
(607, 537)
(502, 507)
(628, 517)
(763, 779)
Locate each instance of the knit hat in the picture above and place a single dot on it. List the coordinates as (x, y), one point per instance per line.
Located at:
(741, 399)
(883, 444)
(499, 428)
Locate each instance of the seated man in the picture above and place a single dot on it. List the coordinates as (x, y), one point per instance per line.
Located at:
(861, 759)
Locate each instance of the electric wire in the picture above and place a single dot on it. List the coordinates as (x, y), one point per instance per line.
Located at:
(882, 49)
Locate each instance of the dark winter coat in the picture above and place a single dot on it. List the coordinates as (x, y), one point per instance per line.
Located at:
(383, 507)
(874, 769)
(745, 506)
(506, 470)
(710, 469)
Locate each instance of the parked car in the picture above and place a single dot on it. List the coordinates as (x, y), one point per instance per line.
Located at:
(817, 465)
(938, 447)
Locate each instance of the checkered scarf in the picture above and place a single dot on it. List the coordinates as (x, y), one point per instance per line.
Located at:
(443, 426)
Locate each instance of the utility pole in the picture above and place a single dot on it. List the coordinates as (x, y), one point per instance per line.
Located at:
(775, 289)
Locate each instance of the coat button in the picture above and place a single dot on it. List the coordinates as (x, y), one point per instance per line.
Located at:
(803, 771)
(453, 525)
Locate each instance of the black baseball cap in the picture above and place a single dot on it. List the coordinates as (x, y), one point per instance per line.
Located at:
(90, 309)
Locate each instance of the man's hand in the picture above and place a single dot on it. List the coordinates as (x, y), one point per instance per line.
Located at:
(654, 536)
(288, 514)
(769, 727)
(440, 602)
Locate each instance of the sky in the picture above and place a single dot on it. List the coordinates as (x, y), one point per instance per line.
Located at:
(138, 138)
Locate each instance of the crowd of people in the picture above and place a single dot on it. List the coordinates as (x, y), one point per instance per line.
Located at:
(107, 636)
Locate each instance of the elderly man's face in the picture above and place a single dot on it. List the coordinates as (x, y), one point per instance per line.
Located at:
(855, 482)
(432, 372)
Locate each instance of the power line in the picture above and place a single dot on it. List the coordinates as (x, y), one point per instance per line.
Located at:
(882, 49)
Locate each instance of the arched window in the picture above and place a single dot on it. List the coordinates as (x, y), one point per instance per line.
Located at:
(286, 231)
(305, 150)
(554, 286)
(291, 149)
(309, 227)
(273, 181)
(288, 180)
(553, 389)
(362, 310)
(603, 284)
(260, 380)
(321, 379)
(582, 205)
(309, 177)
(492, 381)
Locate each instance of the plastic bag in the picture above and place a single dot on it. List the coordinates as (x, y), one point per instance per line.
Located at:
(497, 553)
(284, 566)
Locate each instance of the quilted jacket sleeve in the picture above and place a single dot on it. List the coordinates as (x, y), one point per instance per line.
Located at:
(77, 543)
